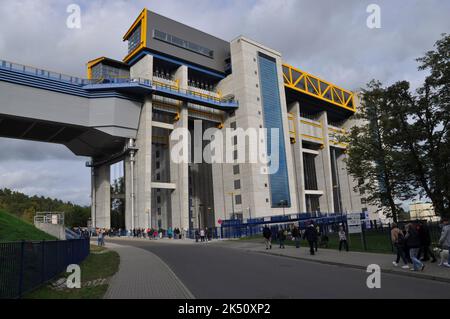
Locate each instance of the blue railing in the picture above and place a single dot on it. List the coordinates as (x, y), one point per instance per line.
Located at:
(30, 70)
(26, 265)
(108, 83)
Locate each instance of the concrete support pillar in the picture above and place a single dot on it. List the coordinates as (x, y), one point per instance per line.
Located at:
(138, 205)
(101, 197)
(143, 168)
(128, 196)
(298, 158)
(325, 157)
(179, 172)
(143, 69)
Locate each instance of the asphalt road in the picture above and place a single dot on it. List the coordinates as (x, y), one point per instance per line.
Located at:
(214, 272)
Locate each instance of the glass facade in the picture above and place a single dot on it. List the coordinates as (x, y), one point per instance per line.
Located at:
(135, 39)
(270, 92)
(171, 39)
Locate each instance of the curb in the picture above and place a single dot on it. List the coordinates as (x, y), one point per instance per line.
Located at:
(333, 263)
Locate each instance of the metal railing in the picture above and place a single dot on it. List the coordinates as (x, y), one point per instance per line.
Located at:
(26, 265)
(29, 70)
(55, 218)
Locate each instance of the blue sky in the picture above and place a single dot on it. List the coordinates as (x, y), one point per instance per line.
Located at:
(324, 37)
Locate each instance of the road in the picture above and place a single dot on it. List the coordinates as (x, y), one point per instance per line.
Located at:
(211, 271)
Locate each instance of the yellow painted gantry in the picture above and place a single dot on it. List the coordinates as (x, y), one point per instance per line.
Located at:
(306, 83)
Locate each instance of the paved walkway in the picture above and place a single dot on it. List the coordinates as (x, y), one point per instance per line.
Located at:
(358, 260)
(143, 275)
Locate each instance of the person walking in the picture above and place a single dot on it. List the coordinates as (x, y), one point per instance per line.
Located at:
(296, 236)
(413, 241)
(267, 234)
(311, 236)
(197, 235)
(202, 235)
(444, 241)
(342, 239)
(398, 241)
(282, 234)
(99, 238)
(425, 243)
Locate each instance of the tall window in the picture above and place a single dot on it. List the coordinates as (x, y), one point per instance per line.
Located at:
(135, 39)
(309, 168)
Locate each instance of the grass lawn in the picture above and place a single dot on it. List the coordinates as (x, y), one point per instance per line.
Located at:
(13, 228)
(376, 242)
(101, 263)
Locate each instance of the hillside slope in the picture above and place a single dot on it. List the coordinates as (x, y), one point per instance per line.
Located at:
(16, 229)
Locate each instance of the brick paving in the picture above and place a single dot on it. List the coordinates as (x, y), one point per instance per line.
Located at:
(143, 275)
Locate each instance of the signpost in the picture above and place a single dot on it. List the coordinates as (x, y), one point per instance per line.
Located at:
(354, 223)
(354, 226)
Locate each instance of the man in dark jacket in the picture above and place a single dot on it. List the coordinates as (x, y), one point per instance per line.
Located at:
(311, 236)
(425, 243)
(412, 240)
(282, 234)
(267, 234)
(296, 236)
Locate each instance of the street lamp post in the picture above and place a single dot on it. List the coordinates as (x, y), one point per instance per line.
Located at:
(232, 205)
(283, 203)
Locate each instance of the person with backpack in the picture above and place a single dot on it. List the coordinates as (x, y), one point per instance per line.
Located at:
(311, 235)
(267, 234)
(282, 234)
(413, 241)
(398, 241)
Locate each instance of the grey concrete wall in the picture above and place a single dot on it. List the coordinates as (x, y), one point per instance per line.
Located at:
(57, 231)
(33, 103)
(220, 47)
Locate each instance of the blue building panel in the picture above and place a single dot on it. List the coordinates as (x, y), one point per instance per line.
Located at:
(270, 93)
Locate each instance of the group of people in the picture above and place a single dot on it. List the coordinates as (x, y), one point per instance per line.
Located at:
(204, 235)
(413, 244)
(311, 234)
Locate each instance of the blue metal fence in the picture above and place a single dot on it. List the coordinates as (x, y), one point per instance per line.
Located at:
(26, 265)
(236, 228)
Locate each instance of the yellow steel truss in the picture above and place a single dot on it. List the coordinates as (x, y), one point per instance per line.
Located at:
(311, 85)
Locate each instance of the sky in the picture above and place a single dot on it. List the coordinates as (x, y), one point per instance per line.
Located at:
(327, 38)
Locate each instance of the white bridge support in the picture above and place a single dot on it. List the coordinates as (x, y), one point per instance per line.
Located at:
(101, 197)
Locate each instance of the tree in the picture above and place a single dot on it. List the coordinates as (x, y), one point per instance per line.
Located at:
(402, 148)
(371, 159)
(422, 123)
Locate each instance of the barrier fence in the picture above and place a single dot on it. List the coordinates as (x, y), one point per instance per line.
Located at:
(28, 264)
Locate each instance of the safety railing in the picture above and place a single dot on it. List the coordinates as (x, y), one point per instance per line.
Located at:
(26, 265)
(30, 70)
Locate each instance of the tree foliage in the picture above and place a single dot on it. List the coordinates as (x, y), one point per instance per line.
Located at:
(401, 149)
(25, 207)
